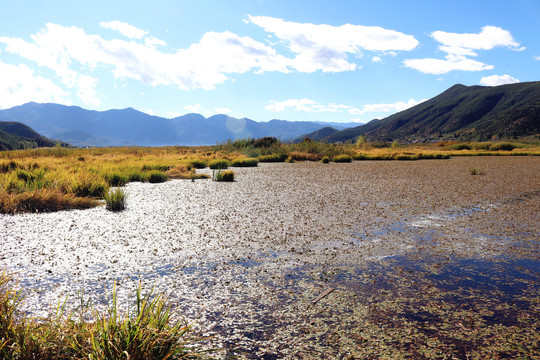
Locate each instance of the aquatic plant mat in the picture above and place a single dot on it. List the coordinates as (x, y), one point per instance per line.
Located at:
(426, 261)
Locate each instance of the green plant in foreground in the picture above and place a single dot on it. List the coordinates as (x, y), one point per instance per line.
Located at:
(115, 200)
(325, 160)
(476, 171)
(218, 164)
(146, 331)
(227, 175)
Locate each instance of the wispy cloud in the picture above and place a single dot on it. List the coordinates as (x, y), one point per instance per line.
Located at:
(327, 48)
(460, 47)
(127, 30)
(20, 85)
(308, 105)
(495, 80)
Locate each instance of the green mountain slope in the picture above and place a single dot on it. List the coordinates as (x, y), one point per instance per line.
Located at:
(462, 112)
(14, 135)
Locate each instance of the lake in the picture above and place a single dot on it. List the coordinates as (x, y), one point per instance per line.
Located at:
(423, 258)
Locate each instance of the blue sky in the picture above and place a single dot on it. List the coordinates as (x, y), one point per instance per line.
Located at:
(335, 61)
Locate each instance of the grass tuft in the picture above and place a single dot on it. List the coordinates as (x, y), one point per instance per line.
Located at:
(272, 158)
(342, 158)
(146, 331)
(476, 171)
(115, 200)
(157, 176)
(197, 164)
(325, 160)
(251, 162)
(218, 164)
(227, 175)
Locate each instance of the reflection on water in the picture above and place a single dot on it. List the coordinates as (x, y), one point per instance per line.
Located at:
(425, 259)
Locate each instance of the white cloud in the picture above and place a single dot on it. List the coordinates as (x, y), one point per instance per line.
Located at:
(195, 108)
(127, 30)
(20, 85)
(438, 66)
(495, 80)
(324, 47)
(295, 104)
(459, 47)
(537, 58)
(308, 105)
(69, 51)
(223, 110)
(376, 59)
(384, 107)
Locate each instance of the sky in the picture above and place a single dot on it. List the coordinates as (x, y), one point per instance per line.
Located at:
(327, 61)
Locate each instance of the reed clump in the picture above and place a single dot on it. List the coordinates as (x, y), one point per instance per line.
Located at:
(223, 175)
(218, 164)
(250, 162)
(146, 331)
(343, 158)
(115, 200)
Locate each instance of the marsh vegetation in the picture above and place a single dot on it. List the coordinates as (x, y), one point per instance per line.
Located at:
(425, 260)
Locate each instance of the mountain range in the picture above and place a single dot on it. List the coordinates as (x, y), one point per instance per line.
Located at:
(461, 112)
(127, 127)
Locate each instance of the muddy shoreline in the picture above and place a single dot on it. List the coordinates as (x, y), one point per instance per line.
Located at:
(244, 260)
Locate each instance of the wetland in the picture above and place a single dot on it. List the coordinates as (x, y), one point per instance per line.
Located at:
(424, 259)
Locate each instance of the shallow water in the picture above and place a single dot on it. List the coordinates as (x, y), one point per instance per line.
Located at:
(245, 260)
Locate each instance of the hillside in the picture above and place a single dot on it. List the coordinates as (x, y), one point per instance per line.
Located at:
(461, 112)
(82, 127)
(317, 135)
(14, 135)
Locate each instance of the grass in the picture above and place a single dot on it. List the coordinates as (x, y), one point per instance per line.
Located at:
(281, 157)
(51, 179)
(220, 175)
(218, 164)
(250, 162)
(146, 331)
(115, 200)
(325, 160)
(342, 158)
(476, 171)
(157, 176)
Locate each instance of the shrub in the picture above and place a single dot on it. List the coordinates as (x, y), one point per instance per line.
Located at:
(115, 200)
(273, 158)
(325, 160)
(197, 164)
(245, 162)
(218, 164)
(157, 176)
(342, 158)
(501, 147)
(220, 175)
